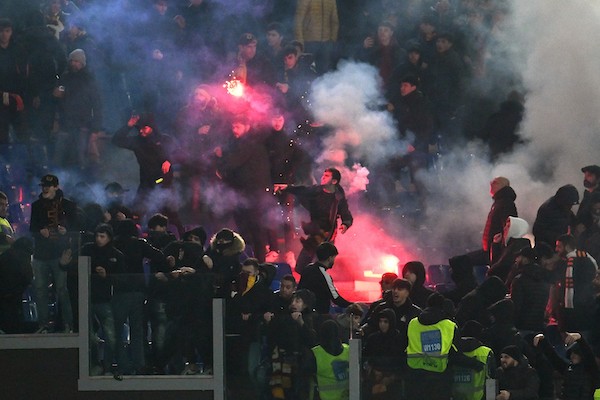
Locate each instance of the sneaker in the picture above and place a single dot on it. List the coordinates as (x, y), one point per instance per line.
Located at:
(68, 329)
(207, 371)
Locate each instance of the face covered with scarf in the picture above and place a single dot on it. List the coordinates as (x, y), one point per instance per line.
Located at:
(248, 276)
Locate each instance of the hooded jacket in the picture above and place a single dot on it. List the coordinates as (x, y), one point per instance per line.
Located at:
(387, 351)
(553, 218)
(226, 262)
(462, 275)
(512, 243)
(579, 380)
(529, 293)
(503, 207)
(418, 293)
(502, 332)
(150, 152)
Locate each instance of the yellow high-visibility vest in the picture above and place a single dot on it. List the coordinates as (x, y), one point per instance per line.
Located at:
(332, 373)
(429, 345)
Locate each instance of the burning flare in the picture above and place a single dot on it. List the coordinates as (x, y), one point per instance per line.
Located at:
(234, 87)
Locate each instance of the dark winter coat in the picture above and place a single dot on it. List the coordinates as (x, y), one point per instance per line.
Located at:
(254, 302)
(521, 381)
(500, 130)
(529, 293)
(188, 295)
(404, 314)
(324, 208)
(413, 113)
(50, 214)
(552, 220)
(285, 157)
(244, 165)
(136, 250)
(474, 305)
(81, 104)
(386, 351)
(287, 334)
(502, 267)
(150, 152)
(579, 380)
(462, 275)
(226, 263)
(502, 208)
(502, 331)
(113, 261)
(418, 293)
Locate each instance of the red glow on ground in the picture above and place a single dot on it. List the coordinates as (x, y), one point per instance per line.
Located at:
(366, 252)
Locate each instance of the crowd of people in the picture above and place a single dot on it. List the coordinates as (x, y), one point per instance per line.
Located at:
(214, 104)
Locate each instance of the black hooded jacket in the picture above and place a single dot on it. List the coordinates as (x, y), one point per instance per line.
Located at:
(418, 293)
(579, 380)
(529, 293)
(387, 351)
(502, 208)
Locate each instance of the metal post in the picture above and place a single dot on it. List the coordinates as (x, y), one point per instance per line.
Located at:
(355, 367)
(219, 348)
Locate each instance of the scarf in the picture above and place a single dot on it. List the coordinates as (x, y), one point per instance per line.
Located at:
(569, 286)
(569, 283)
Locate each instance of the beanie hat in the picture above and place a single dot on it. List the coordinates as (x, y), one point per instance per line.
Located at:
(78, 55)
(513, 351)
(105, 228)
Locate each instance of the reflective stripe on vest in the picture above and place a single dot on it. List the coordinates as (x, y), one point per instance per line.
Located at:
(473, 387)
(332, 373)
(429, 345)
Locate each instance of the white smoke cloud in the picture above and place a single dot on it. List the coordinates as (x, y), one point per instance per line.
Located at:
(349, 100)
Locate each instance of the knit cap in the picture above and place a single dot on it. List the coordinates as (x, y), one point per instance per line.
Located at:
(512, 351)
(78, 55)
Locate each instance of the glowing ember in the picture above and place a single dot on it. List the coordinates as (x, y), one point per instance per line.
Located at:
(234, 87)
